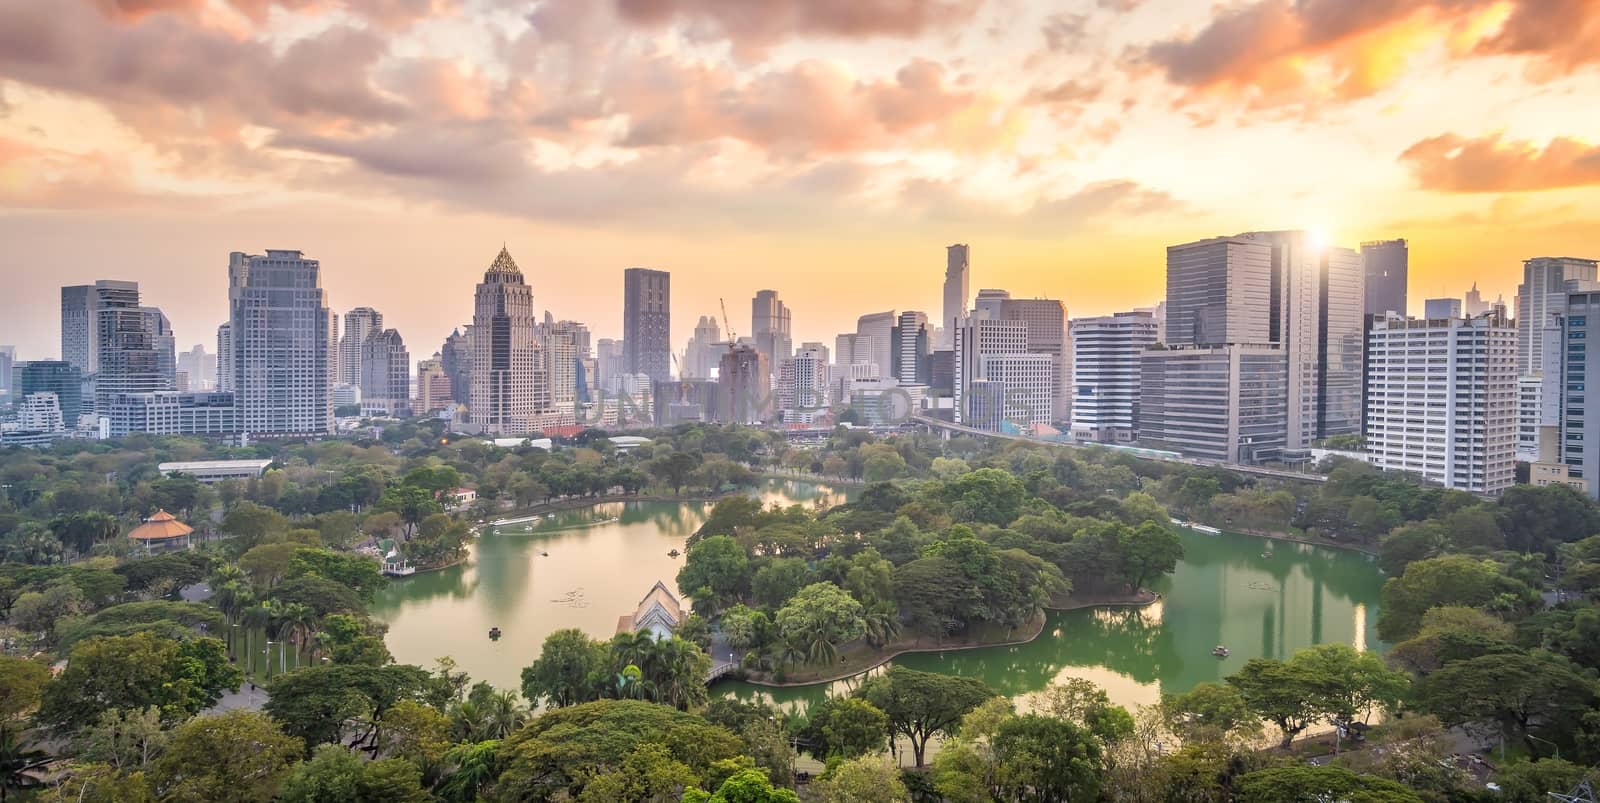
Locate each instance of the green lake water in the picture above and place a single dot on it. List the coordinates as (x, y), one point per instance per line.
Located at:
(587, 568)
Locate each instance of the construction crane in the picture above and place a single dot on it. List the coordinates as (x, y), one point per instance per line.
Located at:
(728, 325)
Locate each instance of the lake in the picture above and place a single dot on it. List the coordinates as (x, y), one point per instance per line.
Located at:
(586, 568)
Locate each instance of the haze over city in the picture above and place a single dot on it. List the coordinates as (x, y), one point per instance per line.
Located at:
(828, 150)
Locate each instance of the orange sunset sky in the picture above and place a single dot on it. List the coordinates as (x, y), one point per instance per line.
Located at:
(827, 149)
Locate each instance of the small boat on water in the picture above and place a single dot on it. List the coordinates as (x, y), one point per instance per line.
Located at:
(1267, 554)
(544, 554)
(494, 634)
(1220, 651)
(674, 553)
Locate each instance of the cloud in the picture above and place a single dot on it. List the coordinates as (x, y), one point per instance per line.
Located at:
(759, 24)
(1299, 51)
(1064, 31)
(393, 15)
(1450, 163)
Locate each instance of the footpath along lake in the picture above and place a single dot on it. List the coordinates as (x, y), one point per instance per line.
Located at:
(585, 568)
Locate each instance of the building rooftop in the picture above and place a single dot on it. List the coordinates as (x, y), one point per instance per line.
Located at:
(160, 526)
(213, 465)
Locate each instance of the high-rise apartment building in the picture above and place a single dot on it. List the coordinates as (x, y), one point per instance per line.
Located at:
(359, 324)
(57, 377)
(8, 363)
(874, 342)
(647, 322)
(433, 386)
(563, 343)
(135, 353)
(280, 343)
(1443, 400)
(40, 412)
(769, 325)
(1225, 403)
(506, 363)
(803, 382)
(911, 347)
(1437, 308)
(385, 373)
(80, 318)
(957, 288)
(1105, 374)
(1579, 443)
(1386, 265)
(744, 387)
(225, 374)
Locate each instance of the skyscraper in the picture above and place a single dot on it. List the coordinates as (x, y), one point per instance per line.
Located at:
(8, 361)
(1436, 308)
(611, 361)
(911, 345)
(80, 318)
(455, 357)
(1047, 334)
(877, 326)
(647, 322)
(280, 328)
(135, 354)
(385, 373)
(1474, 305)
(201, 367)
(1546, 284)
(1386, 265)
(433, 386)
(996, 352)
(704, 352)
(957, 287)
(769, 325)
(1105, 374)
(359, 324)
(505, 357)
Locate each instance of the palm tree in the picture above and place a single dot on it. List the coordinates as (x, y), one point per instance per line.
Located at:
(468, 719)
(503, 715)
(790, 652)
(476, 766)
(883, 626)
(297, 621)
(17, 762)
(257, 615)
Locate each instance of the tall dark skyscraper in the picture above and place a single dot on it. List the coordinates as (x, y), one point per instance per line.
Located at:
(53, 376)
(1385, 263)
(281, 343)
(647, 322)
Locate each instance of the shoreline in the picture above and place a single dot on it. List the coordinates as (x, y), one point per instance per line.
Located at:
(1295, 539)
(1038, 631)
(1144, 599)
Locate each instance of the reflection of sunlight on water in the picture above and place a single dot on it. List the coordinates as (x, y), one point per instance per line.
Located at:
(1361, 626)
(1122, 689)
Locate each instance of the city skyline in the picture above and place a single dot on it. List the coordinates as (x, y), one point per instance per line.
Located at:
(1057, 138)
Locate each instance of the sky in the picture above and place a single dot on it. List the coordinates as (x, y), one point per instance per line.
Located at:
(827, 149)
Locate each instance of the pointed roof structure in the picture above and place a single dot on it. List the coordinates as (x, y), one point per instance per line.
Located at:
(160, 526)
(659, 612)
(504, 263)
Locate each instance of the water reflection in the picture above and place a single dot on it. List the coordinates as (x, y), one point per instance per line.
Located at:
(1224, 592)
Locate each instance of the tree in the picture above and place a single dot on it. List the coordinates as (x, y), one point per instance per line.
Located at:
(411, 503)
(987, 495)
(358, 573)
(920, 705)
(477, 765)
(126, 740)
(1536, 518)
(267, 564)
(236, 756)
(1214, 710)
(865, 779)
(1281, 693)
(714, 570)
(136, 672)
(778, 580)
(335, 775)
(562, 750)
(1301, 784)
(821, 617)
(22, 684)
(1349, 682)
(745, 627)
(1448, 580)
(315, 703)
(568, 671)
(649, 773)
(418, 733)
(38, 611)
(251, 523)
(845, 726)
(1512, 694)
(19, 762)
(1149, 551)
(674, 469)
(748, 786)
(1047, 759)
